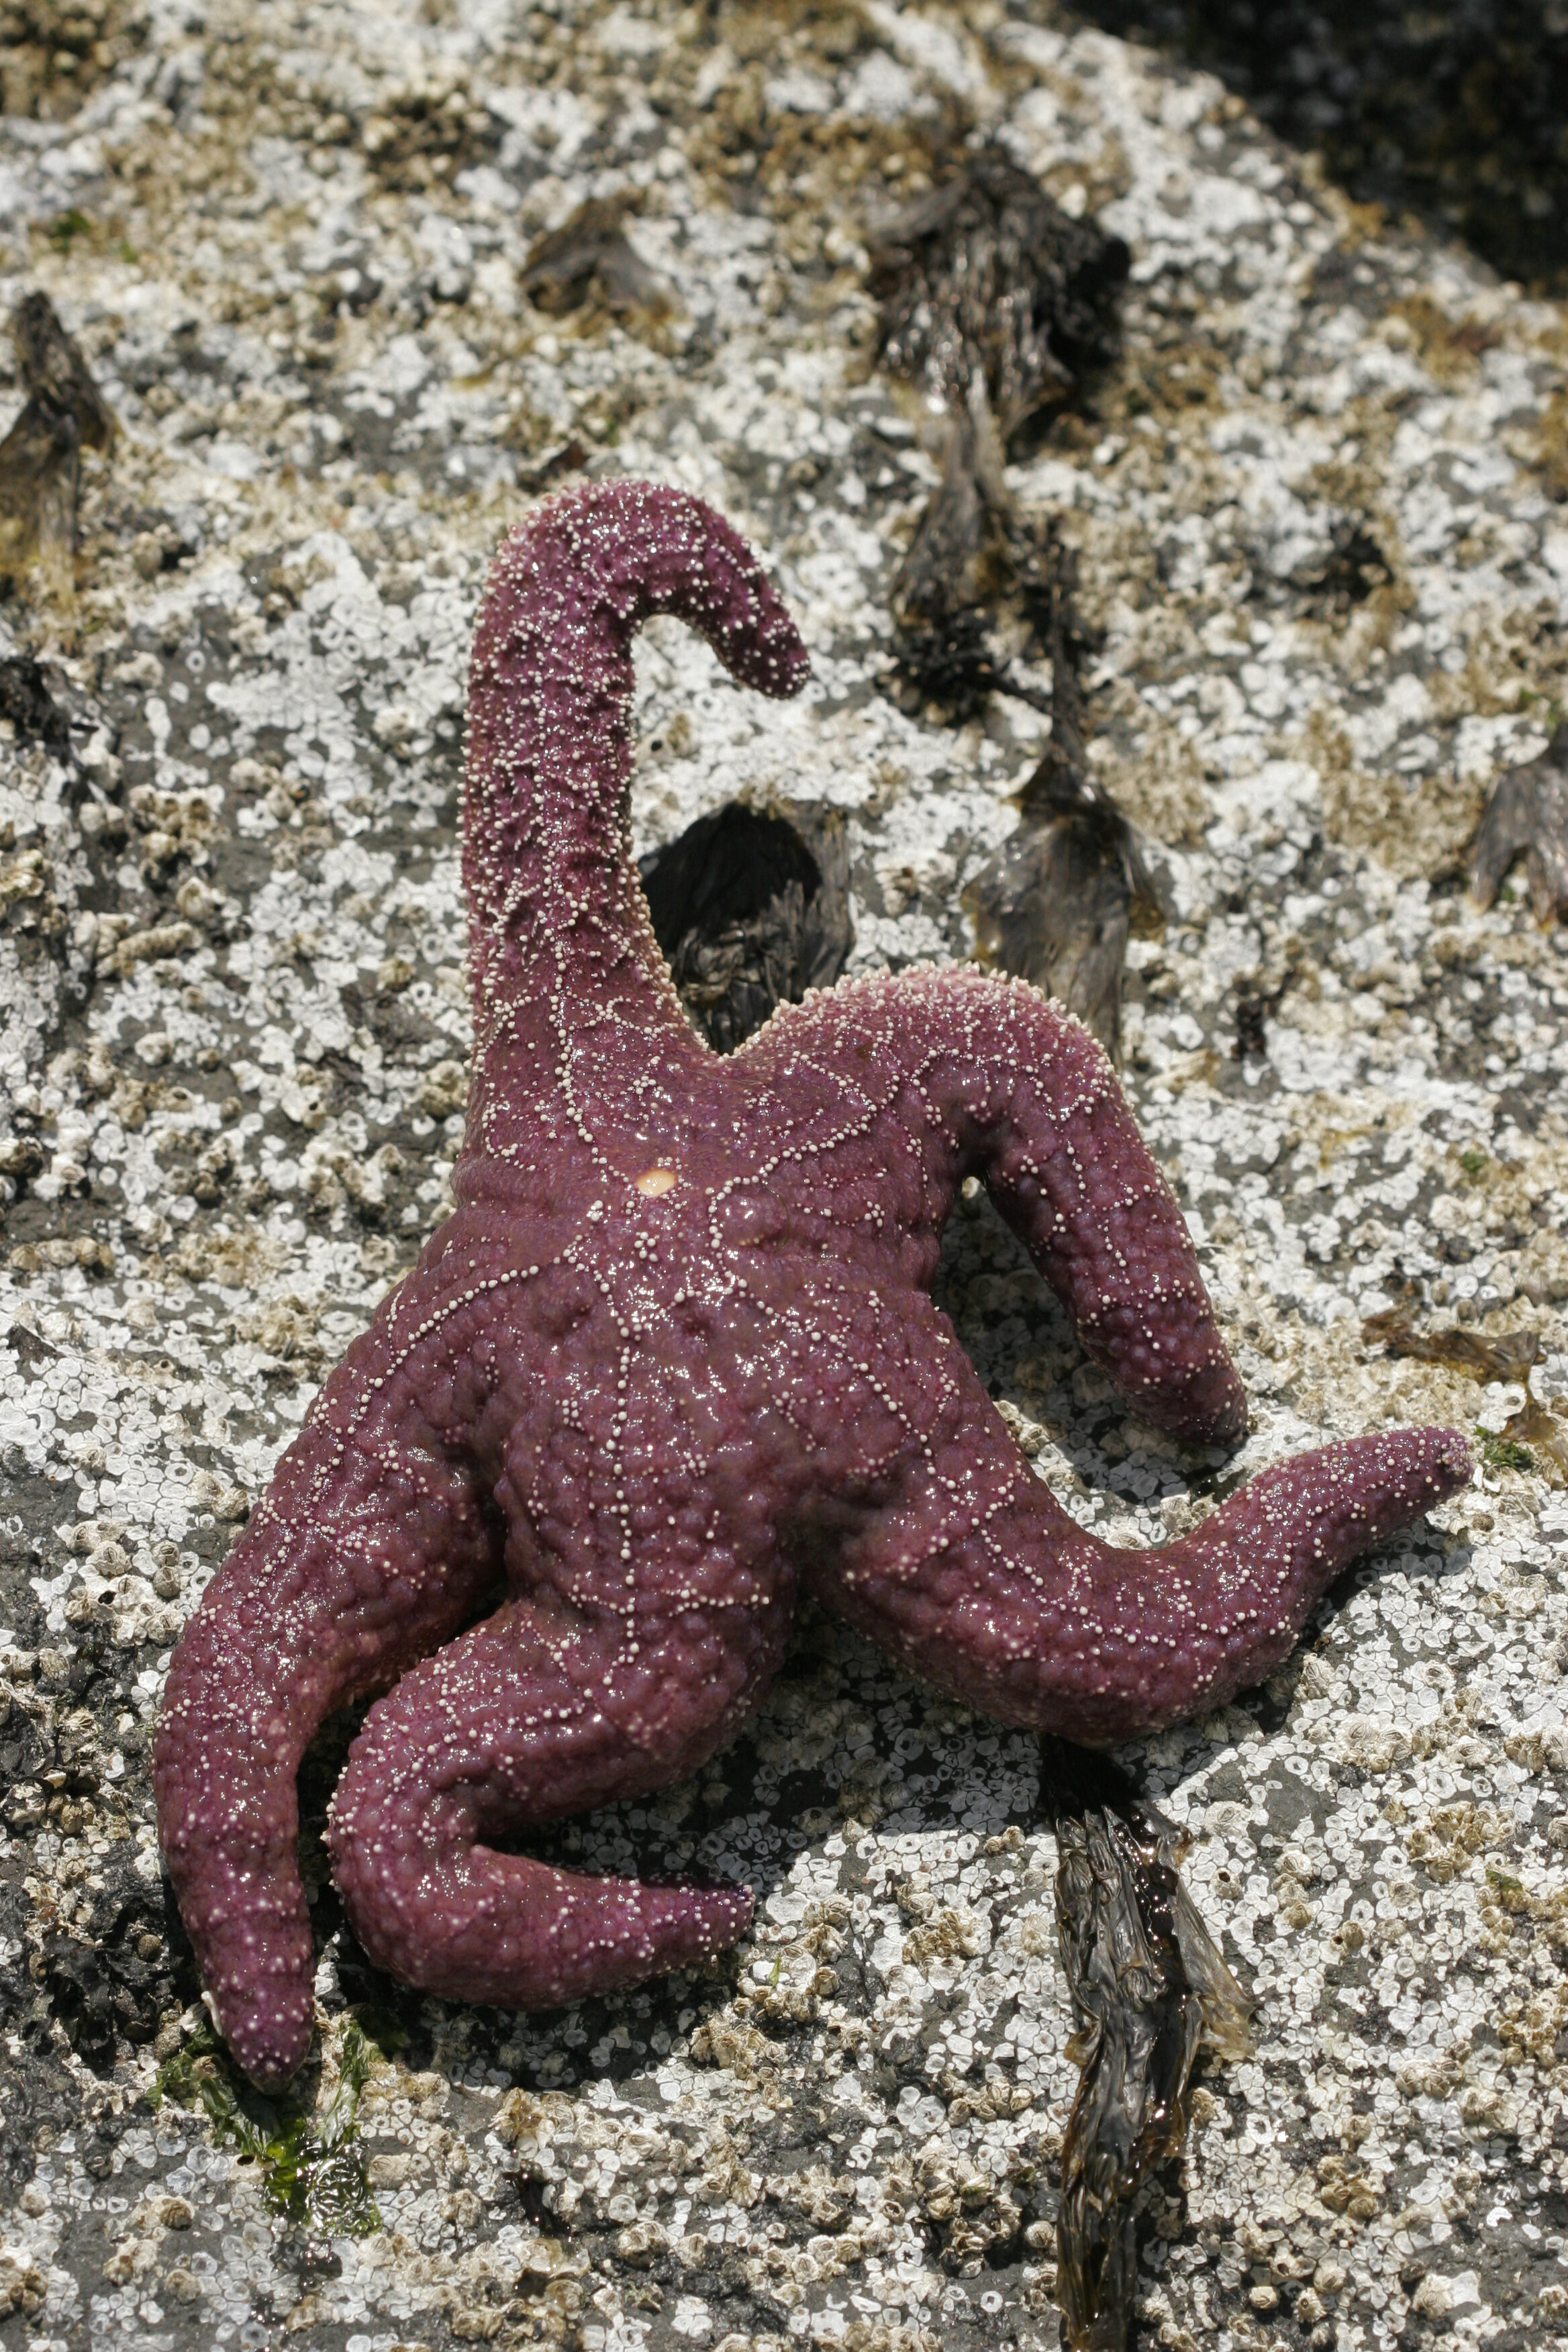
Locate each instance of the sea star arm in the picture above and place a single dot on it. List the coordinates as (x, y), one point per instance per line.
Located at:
(522, 1720)
(373, 1545)
(909, 1084)
(571, 995)
(649, 1610)
(972, 1571)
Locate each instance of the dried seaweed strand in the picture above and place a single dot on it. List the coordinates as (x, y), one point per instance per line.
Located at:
(40, 457)
(1533, 1438)
(1057, 903)
(1527, 817)
(590, 262)
(1503, 1355)
(1149, 1989)
(1541, 1438)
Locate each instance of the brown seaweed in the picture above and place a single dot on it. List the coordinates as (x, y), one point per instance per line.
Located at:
(997, 304)
(750, 915)
(40, 457)
(589, 262)
(1149, 1989)
(1527, 817)
(1056, 906)
(1058, 901)
(957, 559)
(967, 550)
(987, 281)
(1545, 1436)
(26, 702)
(1499, 1355)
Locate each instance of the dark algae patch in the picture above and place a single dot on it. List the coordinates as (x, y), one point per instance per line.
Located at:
(26, 702)
(312, 2169)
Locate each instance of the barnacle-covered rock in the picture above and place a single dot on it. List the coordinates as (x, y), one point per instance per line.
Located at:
(1315, 503)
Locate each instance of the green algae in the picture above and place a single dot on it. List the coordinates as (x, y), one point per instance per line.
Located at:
(1505, 1452)
(312, 2169)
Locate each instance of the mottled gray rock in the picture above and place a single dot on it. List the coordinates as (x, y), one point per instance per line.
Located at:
(1314, 515)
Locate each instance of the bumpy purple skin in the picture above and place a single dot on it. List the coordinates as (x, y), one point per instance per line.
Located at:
(672, 1361)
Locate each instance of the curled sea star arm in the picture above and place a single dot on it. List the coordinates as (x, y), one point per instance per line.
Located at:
(521, 1721)
(597, 1680)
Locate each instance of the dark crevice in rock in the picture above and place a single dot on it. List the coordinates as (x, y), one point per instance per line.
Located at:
(750, 914)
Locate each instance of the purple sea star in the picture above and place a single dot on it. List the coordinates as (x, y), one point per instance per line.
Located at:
(670, 1362)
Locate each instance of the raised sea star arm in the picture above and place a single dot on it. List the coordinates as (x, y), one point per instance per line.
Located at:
(573, 998)
(980, 1076)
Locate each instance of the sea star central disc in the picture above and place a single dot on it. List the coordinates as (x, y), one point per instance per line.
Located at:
(672, 1361)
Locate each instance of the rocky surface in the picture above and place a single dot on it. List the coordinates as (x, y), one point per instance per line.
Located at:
(1451, 112)
(1315, 506)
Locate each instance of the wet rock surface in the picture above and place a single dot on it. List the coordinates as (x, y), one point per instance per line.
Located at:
(1314, 505)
